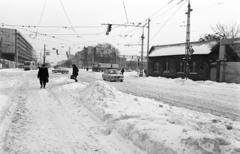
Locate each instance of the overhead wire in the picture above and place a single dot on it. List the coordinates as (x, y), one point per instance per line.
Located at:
(41, 34)
(165, 11)
(161, 9)
(42, 12)
(65, 12)
(168, 19)
(156, 13)
(125, 12)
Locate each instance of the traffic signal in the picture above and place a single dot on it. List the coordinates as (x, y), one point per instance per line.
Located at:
(109, 28)
(57, 52)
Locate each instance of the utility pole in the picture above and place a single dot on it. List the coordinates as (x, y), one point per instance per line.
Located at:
(148, 26)
(187, 45)
(44, 54)
(141, 65)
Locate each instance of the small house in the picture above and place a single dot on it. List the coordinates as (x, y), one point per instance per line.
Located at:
(208, 61)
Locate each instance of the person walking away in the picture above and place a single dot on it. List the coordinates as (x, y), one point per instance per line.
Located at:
(122, 71)
(74, 72)
(43, 75)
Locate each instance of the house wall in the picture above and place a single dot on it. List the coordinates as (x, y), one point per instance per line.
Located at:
(171, 67)
(232, 72)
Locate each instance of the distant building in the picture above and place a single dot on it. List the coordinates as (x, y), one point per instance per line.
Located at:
(210, 61)
(133, 62)
(14, 47)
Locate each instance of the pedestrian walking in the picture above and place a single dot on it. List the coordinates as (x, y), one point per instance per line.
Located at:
(122, 71)
(43, 75)
(74, 72)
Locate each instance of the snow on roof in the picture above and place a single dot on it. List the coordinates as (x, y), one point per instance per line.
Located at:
(179, 49)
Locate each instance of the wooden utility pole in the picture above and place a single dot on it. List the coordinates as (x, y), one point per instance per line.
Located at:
(187, 45)
(141, 65)
(148, 46)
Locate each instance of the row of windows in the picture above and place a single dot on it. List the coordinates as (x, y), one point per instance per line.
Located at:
(180, 66)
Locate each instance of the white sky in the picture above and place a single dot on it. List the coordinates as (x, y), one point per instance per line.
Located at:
(166, 26)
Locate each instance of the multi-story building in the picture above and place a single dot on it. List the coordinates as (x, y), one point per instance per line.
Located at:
(14, 47)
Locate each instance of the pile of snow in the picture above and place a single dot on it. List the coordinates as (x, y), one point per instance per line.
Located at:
(65, 83)
(160, 128)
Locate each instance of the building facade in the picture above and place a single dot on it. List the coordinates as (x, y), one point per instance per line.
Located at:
(15, 47)
(205, 62)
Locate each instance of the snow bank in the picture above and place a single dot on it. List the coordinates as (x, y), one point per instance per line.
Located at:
(159, 128)
(65, 83)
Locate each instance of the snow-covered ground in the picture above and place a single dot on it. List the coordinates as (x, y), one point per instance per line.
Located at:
(95, 117)
(220, 99)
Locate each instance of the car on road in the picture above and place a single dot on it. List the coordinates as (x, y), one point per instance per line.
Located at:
(112, 75)
(60, 70)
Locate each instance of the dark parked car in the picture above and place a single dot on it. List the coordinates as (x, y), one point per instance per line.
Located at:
(112, 75)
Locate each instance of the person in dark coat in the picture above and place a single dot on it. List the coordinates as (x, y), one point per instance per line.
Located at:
(43, 75)
(122, 71)
(74, 72)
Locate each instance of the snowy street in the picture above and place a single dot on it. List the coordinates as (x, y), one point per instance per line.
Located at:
(51, 121)
(206, 96)
(93, 116)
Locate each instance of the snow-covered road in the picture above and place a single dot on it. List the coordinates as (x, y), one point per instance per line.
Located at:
(221, 99)
(41, 121)
(93, 116)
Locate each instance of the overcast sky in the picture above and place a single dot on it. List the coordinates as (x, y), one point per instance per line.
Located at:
(167, 21)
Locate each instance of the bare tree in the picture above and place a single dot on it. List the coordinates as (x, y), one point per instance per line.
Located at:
(222, 32)
(225, 31)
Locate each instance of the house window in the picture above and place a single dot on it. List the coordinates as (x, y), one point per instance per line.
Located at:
(193, 67)
(166, 67)
(180, 66)
(156, 67)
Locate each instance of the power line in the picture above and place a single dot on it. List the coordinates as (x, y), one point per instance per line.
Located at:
(63, 27)
(42, 12)
(125, 12)
(65, 12)
(164, 24)
(165, 12)
(161, 9)
(41, 15)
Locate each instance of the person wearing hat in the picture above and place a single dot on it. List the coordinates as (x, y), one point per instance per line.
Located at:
(43, 75)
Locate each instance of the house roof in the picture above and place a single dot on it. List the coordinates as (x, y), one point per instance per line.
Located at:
(200, 48)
